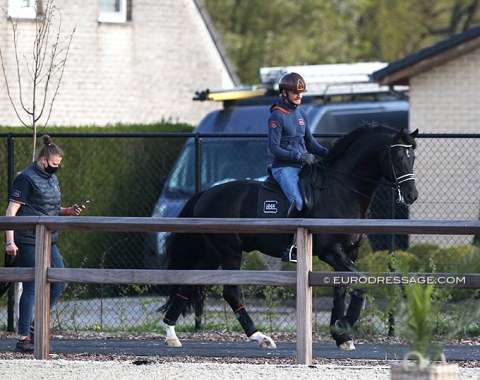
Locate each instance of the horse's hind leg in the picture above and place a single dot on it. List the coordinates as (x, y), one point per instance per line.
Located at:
(175, 308)
(229, 249)
(198, 313)
(231, 294)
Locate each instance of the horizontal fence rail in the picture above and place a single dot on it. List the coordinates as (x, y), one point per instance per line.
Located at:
(244, 225)
(303, 278)
(245, 277)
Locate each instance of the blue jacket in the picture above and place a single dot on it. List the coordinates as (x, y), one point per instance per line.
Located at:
(289, 135)
(43, 198)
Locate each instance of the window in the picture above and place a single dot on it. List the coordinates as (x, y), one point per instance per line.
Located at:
(222, 160)
(21, 8)
(113, 11)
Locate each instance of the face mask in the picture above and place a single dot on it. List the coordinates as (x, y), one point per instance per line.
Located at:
(51, 169)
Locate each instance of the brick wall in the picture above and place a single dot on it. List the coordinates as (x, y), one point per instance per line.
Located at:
(445, 99)
(142, 71)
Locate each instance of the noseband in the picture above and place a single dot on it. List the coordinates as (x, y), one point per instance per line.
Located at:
(397, 181)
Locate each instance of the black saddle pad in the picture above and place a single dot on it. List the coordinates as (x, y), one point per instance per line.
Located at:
(272, 203)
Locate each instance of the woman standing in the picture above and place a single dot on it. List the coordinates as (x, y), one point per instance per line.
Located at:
(36, 192)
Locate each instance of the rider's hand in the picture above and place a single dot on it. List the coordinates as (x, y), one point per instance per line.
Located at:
(307, 157)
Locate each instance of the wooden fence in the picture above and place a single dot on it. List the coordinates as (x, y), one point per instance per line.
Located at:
(303, 278)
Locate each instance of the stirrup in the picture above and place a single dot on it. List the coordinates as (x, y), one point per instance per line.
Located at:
(289, 255)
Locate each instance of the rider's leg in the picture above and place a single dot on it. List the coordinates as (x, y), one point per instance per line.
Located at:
(287, 178)
(289, 255)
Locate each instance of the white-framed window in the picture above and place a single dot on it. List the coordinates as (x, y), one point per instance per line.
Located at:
(21, 8)
(113, 11)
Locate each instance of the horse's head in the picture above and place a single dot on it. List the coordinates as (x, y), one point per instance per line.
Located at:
(360, 160)
(398, 168)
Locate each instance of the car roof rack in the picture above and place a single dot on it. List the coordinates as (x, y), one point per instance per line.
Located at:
(236, 93)
(323, 81)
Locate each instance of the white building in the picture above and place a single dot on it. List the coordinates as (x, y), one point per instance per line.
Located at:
(130, 61)
(444, 82)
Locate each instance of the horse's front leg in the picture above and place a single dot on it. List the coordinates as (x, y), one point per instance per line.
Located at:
(338, 327)
(357, 300)
(231, 294)
(340, 324)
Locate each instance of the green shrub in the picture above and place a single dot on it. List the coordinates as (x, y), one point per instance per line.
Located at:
(423, 253)
(254, 261)
(448, 260)
(381, 261)
(119, 175)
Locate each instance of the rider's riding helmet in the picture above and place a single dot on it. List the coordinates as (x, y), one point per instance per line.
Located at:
(292, 82)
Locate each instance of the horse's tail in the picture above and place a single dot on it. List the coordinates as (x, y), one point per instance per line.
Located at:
(182, 251)
(178, 246)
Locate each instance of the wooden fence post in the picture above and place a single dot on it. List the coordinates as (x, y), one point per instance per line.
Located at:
(304, 297)
(42, 292)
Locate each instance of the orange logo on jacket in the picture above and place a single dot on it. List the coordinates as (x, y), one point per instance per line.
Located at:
(273, 124)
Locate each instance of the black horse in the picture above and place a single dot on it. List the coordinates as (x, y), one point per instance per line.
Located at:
(340, 187)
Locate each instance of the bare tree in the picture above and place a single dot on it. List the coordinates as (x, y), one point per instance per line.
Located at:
(40, 72)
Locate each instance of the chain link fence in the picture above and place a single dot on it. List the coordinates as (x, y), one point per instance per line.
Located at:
(123, 175)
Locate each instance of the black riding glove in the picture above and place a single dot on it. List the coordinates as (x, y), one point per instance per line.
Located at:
(307, 157)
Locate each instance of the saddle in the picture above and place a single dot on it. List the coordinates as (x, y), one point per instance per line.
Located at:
(272, 202)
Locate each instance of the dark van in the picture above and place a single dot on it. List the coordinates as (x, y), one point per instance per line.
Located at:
(231, 144)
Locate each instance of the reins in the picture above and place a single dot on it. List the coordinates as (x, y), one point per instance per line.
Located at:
(351, 176)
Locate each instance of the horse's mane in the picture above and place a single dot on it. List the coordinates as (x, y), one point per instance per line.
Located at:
(344, 142)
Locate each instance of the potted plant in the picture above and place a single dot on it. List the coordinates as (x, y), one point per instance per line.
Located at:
(421, 311)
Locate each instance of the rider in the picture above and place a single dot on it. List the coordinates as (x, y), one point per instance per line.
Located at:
(290, 141)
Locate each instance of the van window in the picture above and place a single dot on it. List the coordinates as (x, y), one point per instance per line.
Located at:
(249, 120)
(345, 121)
(343, 118)
(222, 160)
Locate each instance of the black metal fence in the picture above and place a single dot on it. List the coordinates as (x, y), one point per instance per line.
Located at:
(124, 174)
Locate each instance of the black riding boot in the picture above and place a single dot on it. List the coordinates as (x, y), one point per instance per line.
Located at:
(289, 255)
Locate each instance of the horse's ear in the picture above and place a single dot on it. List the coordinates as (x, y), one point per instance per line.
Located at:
(414, 133)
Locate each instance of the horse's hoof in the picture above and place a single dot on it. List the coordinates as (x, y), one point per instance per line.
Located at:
(173, 343)
(263, 340)
(347, 346)
(267, 343)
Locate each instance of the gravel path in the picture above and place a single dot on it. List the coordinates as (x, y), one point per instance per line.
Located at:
(16, 366)
(97, 370)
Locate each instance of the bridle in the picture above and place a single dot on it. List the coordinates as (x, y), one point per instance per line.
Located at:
(397, 181)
